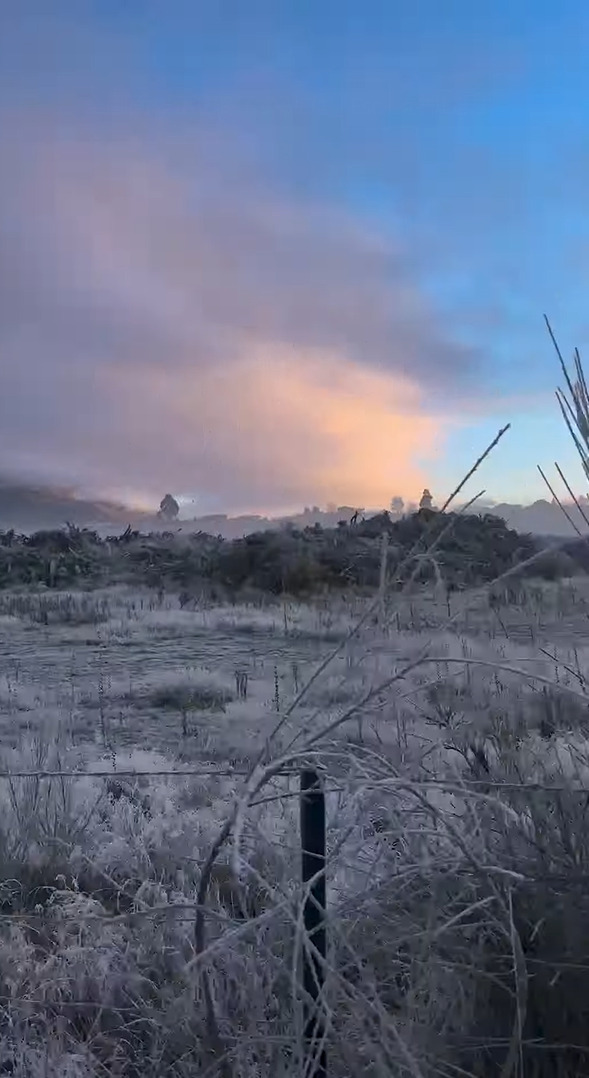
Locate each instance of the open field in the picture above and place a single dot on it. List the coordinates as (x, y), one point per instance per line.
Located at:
(458, 886)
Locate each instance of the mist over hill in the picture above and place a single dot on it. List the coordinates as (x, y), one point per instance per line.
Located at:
(30, 507)
(542, 517)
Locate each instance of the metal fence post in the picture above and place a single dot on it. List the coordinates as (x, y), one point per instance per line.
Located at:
(314, 910)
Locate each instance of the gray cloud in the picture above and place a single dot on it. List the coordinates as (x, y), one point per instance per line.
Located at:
(167, 320)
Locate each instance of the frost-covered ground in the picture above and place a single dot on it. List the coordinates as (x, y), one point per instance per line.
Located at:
(458, 933)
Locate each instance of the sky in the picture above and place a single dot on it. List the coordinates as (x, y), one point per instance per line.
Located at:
(278, 253)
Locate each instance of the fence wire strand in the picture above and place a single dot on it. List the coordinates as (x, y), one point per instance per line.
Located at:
(458, 786)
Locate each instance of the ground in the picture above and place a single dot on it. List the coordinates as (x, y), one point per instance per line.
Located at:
(456, 899)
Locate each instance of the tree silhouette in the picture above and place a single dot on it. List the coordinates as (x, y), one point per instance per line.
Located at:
(426, 500)
(169, 508)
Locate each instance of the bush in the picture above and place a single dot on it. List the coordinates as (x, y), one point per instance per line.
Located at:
(291, 561)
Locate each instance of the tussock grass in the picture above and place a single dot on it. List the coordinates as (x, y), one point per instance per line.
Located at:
(65, 607)
(184, 691)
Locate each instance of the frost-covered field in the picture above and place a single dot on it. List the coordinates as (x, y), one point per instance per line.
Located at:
(458, 923)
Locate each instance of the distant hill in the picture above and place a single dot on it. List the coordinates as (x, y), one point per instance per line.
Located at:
(540, 518)
(28, 507)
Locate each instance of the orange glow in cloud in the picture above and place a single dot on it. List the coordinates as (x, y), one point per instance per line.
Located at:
(281, 424)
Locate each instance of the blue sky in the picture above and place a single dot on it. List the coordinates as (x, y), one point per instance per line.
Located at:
(384, 197)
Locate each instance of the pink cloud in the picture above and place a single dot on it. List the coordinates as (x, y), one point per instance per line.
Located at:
(167, 322)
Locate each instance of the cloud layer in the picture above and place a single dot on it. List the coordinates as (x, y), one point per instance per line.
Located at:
(168, 322)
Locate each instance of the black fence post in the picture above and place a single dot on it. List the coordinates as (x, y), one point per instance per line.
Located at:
(314, 909)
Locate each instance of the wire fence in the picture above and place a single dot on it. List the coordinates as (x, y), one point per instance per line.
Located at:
(314, 869)
(461, 786)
